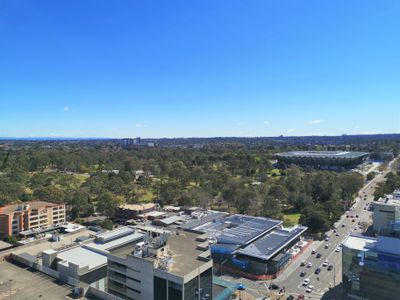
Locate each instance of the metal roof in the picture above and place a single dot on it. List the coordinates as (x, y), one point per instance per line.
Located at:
(82, 257)
(272, 243)
(323, 154)
(201, 224)
(246, 229)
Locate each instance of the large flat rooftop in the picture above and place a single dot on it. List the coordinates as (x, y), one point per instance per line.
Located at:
(183, 249)
(28, 284)
(184, 253)
(272, 243)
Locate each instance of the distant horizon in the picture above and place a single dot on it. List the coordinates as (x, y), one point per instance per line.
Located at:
(179, 137)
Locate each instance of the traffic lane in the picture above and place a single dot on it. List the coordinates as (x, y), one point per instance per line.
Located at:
(325, 277)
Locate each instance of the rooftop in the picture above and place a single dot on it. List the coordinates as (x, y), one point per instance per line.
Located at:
(358, 242)
(184, 258)
(138, 207)
(183, 250)
(270, 244)
(22, 206)
(323, 154)
(82, 257)
(245, 229)
(391, 200)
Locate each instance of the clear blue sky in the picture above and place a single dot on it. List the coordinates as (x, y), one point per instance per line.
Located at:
(198, 68)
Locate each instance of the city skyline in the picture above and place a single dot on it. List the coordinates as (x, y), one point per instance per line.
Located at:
(88, 69)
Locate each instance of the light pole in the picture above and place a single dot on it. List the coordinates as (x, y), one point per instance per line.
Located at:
(10, 287)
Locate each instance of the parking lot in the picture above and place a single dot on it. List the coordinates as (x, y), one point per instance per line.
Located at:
(19, 283)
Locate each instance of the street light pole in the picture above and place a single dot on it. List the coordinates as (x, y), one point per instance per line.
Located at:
(10, 287)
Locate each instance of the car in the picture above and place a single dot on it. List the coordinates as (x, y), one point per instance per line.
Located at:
(353, 220)
(306, 282)
(347, 216)
(313, 251)
(309, 265)
(356, 216)
(325, 263)
(326, 239)
(318, 255)
(344, 225)
(337, 249)
(330, 267)
(317, 270)
(290, 297)
(326, 246)
(302, 264)
(355, 227)
(352, 216)
(310, 289)
(334, 230)
(337, 234)
(274, 286)
(303, 273)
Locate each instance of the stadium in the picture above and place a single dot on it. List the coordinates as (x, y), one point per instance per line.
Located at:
(324, 160)
(255, 247)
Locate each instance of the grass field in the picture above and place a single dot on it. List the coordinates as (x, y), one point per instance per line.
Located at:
(292, 218)
(82, 177)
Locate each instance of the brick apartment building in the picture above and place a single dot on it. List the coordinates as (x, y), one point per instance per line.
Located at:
(19, 217)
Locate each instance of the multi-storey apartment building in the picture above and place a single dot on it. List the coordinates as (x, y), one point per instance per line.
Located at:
(30, 215)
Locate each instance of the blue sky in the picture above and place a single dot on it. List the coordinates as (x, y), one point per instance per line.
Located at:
(199, 68)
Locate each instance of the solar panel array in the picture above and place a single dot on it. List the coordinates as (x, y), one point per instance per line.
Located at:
(270, 244)
(246, 229)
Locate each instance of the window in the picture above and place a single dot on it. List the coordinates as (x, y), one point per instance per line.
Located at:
(160, 288)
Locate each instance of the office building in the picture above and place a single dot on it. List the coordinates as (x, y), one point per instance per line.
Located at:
(371, 268)
(31, 215)
(387, 215)
(165, 265)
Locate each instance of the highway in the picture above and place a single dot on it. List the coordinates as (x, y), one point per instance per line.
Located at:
(326, 279)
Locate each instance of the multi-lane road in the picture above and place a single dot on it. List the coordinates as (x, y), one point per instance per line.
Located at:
(330, 250)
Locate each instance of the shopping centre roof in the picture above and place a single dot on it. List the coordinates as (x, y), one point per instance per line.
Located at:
(270, 244)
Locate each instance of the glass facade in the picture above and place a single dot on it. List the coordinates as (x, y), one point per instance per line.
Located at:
(199, 287)
(371, 275)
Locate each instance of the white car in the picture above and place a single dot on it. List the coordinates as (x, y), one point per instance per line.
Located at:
(337, 249)
(310, 289)
(313, 251)
(309, 265)
(306, 281)
(325, 263)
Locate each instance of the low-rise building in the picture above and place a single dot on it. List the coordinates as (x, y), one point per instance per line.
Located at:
(164, 266)
(254, 247)
(19, 217)
(87, 261)
(371, 268)
(131, 211)
(386, 215)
